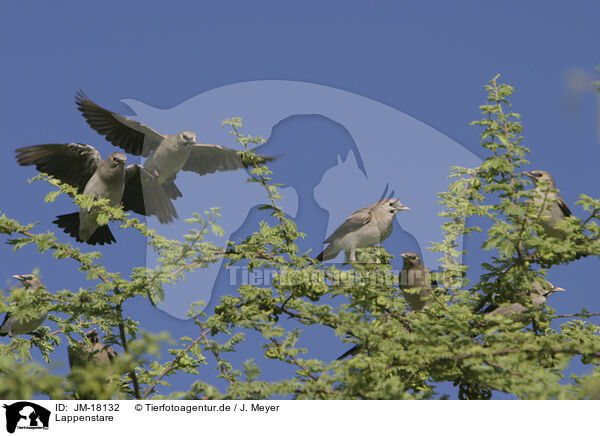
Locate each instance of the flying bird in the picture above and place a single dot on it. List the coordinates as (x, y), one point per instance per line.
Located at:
(555, 208)
(167, 154)
(90, 351)
(81, 166)
(13, 326)
(364, 228)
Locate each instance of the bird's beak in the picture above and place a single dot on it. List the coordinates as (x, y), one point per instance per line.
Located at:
(18, 277)
(557, 289)
(528, 174)
(399, 208)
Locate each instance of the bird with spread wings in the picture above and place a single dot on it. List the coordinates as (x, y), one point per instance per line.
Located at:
(82, 167)
(166, 154)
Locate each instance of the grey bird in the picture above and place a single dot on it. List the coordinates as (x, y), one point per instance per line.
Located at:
(82, 167)
(364, 228)
(414, 281)
(538, 297)
(555, 208)
(90, 351)
(13, 326)
(416, 287)
(167, 154)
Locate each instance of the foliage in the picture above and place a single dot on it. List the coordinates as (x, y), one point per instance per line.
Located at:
(403, 354)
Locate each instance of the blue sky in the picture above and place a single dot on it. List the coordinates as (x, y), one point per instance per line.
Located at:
(429, 60)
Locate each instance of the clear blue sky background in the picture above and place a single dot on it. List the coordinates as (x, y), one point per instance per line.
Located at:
(428, 59)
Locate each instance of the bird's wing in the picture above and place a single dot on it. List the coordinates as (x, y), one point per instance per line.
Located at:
(428, 273)
(507, 311)
(490, 308)
(353, 223)
(145, 196)
(132, 136)
(563, 206)
(208, 158)
(6, 318)
(70, 163)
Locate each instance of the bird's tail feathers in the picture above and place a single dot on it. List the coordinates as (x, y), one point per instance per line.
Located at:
(172, 190)
(156, 199)
(102, 236)
(327, 254)
(351, 352)
(70, 224)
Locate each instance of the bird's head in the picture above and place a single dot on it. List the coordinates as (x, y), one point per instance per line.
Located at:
(411, 259)
(187, 138)
(540, 177)
(554, 289)
(93, 336)
(392, 205)
(546, 289)
(29, 281)
(117, 159)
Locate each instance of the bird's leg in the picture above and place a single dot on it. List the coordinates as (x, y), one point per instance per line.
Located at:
(379, 257)
(353, 255)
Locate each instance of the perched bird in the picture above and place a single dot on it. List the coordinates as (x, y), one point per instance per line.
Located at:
(90, 351)
(81, 166)
(414, 281)
(538, 297)
(364, 228)
(414, 276)
(168, 154)
(555, 208)
(11, 325)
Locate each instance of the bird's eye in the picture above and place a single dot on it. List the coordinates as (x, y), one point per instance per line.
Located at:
(392, 203)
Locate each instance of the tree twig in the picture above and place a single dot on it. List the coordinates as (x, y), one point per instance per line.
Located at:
(170, 367)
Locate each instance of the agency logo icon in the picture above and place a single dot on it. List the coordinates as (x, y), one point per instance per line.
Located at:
(26, 415)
